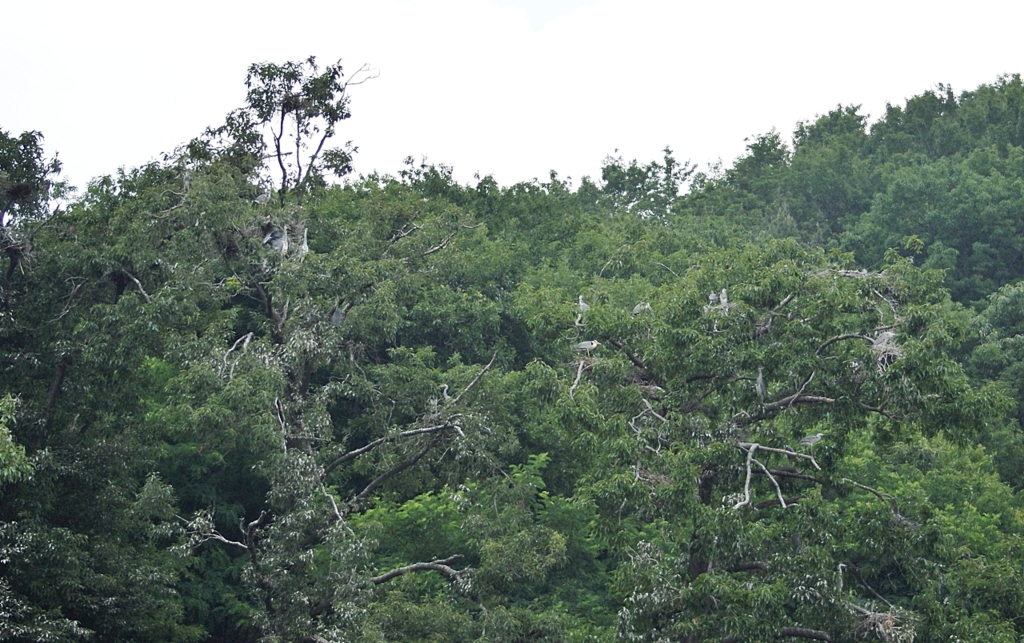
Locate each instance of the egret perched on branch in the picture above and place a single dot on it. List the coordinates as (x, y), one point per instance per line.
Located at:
(811, 440)
(759, 386)
(583, 305)
(186, 181)
(639, 308)
(263, 198)
(587, 346)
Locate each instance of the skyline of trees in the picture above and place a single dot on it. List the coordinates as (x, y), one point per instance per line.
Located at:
(355, 412)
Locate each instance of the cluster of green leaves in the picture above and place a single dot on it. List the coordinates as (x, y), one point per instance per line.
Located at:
(405, 409)
(943, 168)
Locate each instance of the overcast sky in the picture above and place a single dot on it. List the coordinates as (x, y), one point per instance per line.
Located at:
(512, 88)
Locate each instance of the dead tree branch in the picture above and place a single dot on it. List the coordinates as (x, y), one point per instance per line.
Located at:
(280, 420)
(441, 246)
(244, 340)
(138, 286)
(576, 382)
(840, 338)
(764, 328)
(390, 473)
(355, 453)
(871, 590)
(778, 491)
(746, 487)
(441, 566)
(476, 379)
(804, 633)
(744, 446)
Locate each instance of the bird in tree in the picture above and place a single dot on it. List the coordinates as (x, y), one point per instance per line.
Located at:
(639, 308)
(811, 440)
(760, 388)
(339, 313)
(277, 240)
(583, 305)
(263, 198)
(587, 346)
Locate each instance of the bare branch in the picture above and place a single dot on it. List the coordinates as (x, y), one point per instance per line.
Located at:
(804, 633)
(576, 383)
(798, 398)
(764, 328)
(244, 340)
(881, 411)
(440, 566)
(280, 420)
(746, 445)
(404, 231)
(138, 286)
(334, 504)
(839, 338)
(784, 473)
(749, 566)
(658, 263)
(764, 504)
(355, 453)
(746, 487)
(884, 497)
(871, 590)
(476, 379)
(390, 473)
(76, 284)
(221, 539)
(653, 412)
(632, 358)
(778, 491)
(441, 246)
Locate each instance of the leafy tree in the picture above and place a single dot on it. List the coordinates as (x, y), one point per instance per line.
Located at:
(292, 110)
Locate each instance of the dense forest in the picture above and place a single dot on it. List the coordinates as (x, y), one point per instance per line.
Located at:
(241, 400)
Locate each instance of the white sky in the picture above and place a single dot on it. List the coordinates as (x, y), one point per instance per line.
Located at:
(512, 88)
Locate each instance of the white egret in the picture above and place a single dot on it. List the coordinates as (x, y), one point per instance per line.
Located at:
(759, 385)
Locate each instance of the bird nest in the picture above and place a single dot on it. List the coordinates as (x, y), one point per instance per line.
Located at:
(886, 350)
(891, 627)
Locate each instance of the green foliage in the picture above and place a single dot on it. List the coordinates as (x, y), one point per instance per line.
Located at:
(383, 429)
(27, 177)
(14, 466)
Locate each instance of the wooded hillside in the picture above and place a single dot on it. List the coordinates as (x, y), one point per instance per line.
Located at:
(776, 401)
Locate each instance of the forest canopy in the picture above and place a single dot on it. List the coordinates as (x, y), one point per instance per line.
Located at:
(778, 401)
